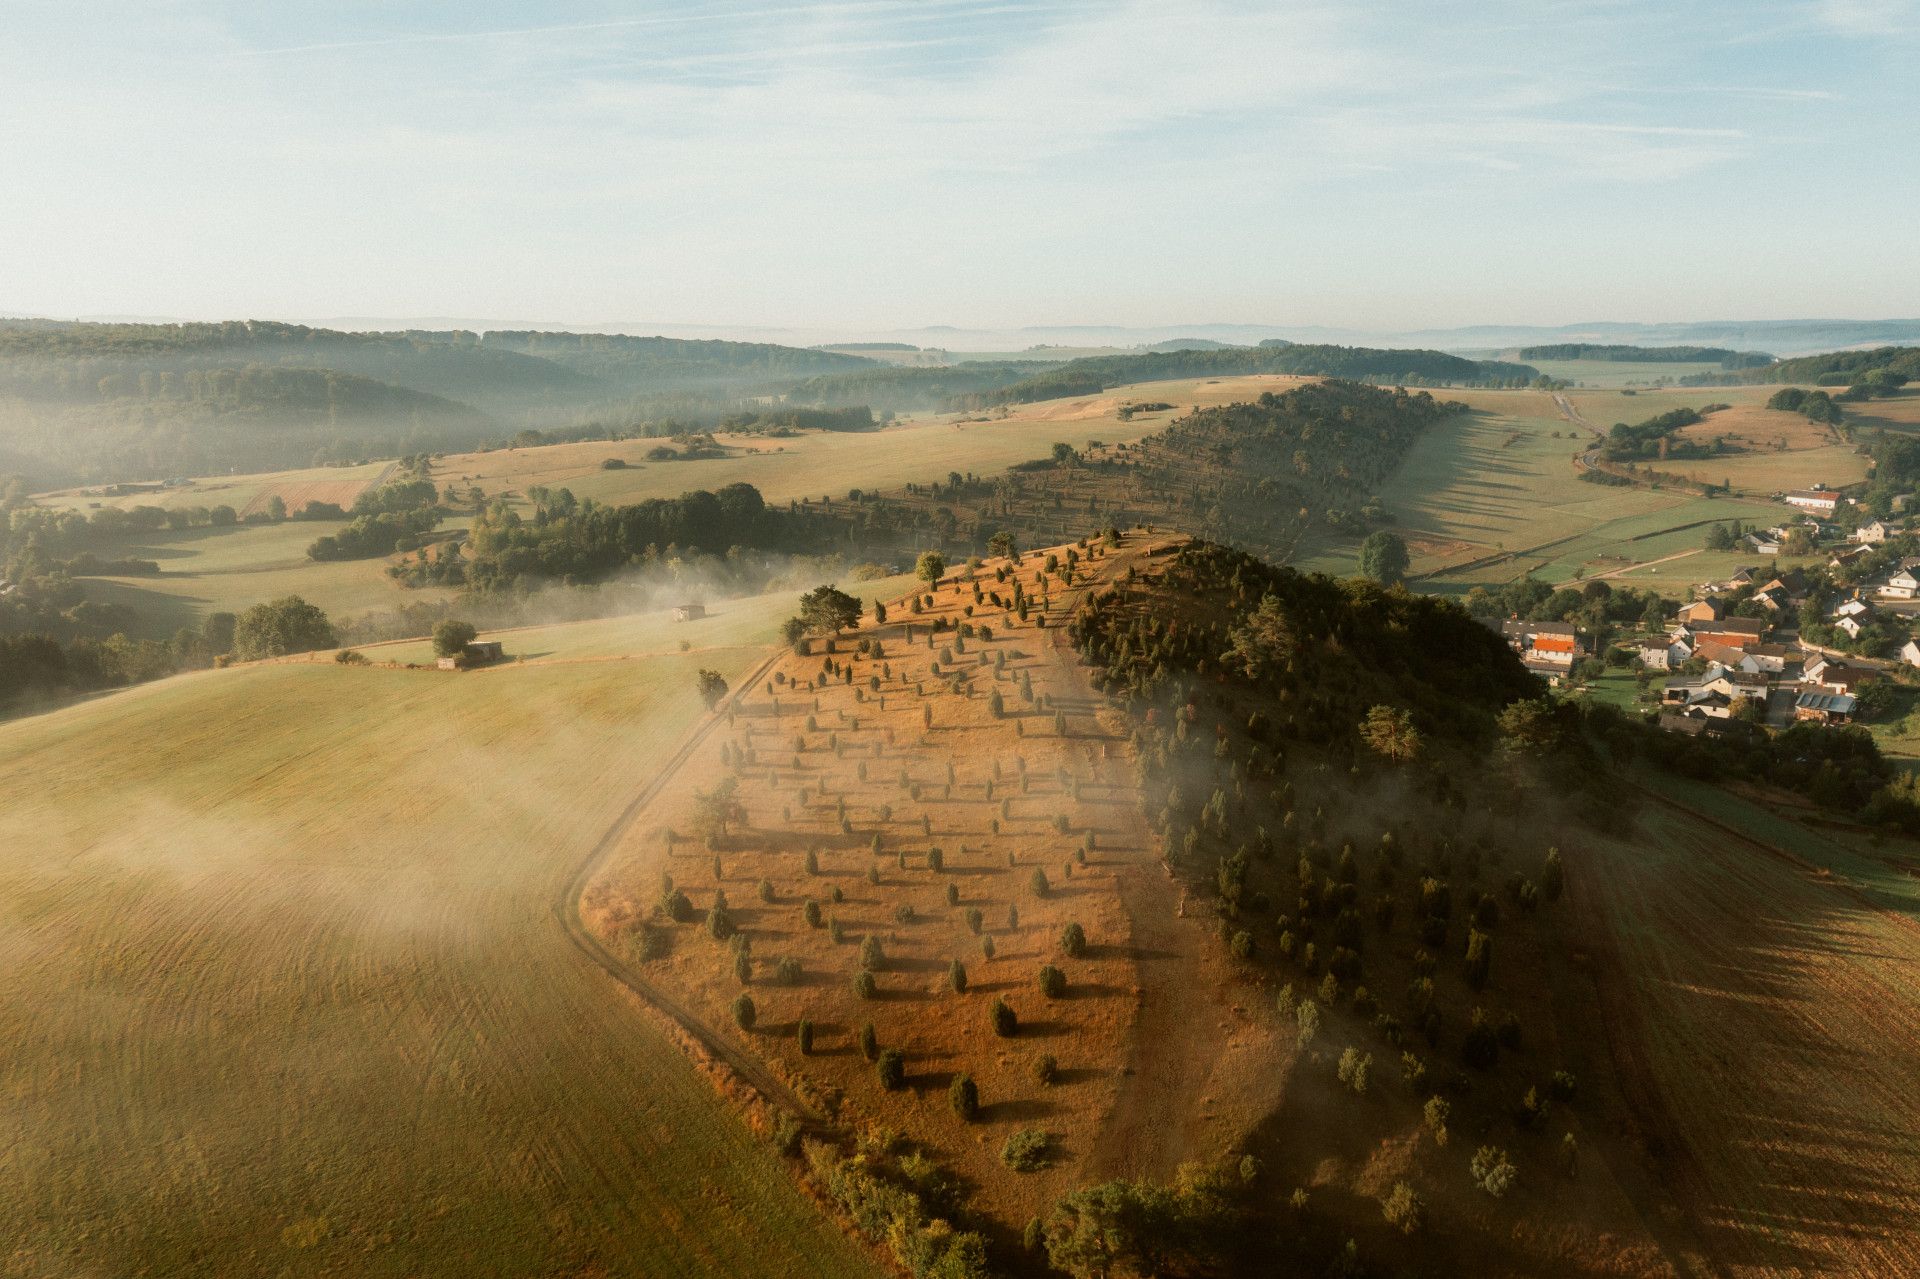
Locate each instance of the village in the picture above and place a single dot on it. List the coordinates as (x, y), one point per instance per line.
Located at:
(1827, 644)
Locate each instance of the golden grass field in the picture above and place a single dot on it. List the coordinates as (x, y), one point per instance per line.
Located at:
(820, 464)
(288, 993)
(244, 493)
(729, 623)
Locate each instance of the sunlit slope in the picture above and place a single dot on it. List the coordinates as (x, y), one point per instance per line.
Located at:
(287, 994)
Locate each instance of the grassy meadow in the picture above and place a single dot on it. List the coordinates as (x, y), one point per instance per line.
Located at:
(728, 624)
(1619, 373)
(209, 570)
(287, 993)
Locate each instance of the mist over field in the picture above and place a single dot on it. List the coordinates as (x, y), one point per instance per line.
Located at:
(960, 639)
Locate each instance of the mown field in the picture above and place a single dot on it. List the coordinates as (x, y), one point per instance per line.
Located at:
(287, 992)
(1764, 1003)
(1499, 485)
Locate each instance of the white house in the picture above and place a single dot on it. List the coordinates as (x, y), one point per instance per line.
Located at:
(1664, 655)
(1872, 533)
(1852, 608)
(1852, 625)
(1910, 653)
(1901, 585)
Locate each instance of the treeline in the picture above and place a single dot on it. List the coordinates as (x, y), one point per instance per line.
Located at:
(1653, 438)
(1406, 367)
(788, 420)
(1880, 371)
(1725, 358)
(565, 540)
(902, 390)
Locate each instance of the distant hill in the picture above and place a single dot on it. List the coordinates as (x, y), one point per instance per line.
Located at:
(88, 402)
(1725, 358)
(635, 364)
(1192, 344)
(1091, 376)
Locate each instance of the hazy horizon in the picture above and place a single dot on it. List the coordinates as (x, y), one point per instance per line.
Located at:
(877, 165)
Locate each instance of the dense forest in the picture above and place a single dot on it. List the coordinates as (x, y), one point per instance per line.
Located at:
(570, 541)
(1880, 371)
(1725, 358)
(903, 390)
(1092, 375)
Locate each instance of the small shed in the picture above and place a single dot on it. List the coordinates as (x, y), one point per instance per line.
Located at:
(478, 653)
(689, 612)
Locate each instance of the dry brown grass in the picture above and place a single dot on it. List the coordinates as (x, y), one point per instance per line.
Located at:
(1103, 1118)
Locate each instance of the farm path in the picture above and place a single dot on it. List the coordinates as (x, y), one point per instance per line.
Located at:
(1763, 1017)
(1183, 1013)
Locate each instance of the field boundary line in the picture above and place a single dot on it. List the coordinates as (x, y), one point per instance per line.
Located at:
(566, 910)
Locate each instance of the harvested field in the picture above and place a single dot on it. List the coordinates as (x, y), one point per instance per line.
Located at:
(288, 994)
(1763, 1000)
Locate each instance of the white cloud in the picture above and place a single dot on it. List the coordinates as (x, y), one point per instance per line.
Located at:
(1870, 17)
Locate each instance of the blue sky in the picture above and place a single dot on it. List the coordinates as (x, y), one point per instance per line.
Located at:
(882, 163)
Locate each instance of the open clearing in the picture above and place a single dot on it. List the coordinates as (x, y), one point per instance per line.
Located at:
(1764, 1004)
(287, 992)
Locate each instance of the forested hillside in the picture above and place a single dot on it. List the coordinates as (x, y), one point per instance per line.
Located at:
(1256, 474)
(1090, 376)
(96, 402)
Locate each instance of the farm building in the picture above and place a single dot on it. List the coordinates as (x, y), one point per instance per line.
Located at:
(1824, 708)
(689, 612)
(1818, 499)
(478, 653)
